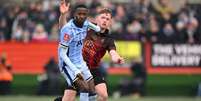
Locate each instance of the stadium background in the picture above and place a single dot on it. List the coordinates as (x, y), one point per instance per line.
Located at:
(137, 27)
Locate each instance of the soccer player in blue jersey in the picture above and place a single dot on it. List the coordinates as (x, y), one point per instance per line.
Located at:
(100, 42)
(71, 63)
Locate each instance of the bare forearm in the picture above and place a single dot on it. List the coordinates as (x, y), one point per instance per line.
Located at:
(113, 53)
(115, 57)
(62, 20)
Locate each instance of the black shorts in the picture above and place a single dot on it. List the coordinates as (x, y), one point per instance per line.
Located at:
(98, 76)
(70, 87)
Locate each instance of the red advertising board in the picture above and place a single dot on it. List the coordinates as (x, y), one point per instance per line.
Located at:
(159, 58)
(28, 58)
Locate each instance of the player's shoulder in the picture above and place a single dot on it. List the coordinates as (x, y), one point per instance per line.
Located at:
(109, 37)
(86, 24)
(67, 26)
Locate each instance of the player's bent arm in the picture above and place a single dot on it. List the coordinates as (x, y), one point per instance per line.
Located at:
(63, 19)
(115, 57)
(64, 12)
(94, 27)
(63, 51)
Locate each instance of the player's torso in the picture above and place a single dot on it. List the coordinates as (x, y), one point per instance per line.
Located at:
(95, 47)
(75, 46)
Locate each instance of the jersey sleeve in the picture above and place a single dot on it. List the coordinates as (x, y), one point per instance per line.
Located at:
(94, 27)
(62, 54)
(111, 44)
(65, 39)
(66, 36)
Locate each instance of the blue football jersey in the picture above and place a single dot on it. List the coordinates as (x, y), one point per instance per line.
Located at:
(72, 37)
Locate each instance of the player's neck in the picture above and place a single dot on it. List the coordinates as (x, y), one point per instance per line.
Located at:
(103, 30)
(78, 24)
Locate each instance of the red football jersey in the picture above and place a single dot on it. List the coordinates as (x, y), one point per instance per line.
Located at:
(95, 47)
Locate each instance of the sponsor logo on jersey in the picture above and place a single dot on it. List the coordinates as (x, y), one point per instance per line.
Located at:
(66, 37)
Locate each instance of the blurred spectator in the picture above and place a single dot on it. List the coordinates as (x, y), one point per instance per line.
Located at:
(54, 35)
(51, 18)
(3, 29)
(50, 82)
(38, 15)
(139, 76)
(95, 4)
(164, 7)
(20, 29)
(10, 13)
(187, 27)
(153, 32)
(21, 20)
(6, 76)
(135, 86)
(138, 9)
(192, 30)
(119, 21)
(168, 34)
(40, 35)
(134, 29)
(107, 4)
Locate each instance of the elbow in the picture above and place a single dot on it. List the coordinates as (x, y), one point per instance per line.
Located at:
(62, 53)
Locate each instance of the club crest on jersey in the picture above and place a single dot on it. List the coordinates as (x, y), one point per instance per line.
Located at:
(66, 37)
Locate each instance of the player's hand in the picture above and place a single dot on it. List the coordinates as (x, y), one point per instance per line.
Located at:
(115, 57)
(118, 59)
(64, 7)
(80, 83)
(79, 76)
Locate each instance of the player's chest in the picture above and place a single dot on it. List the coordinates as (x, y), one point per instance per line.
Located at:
(79, 35)
(96, 41)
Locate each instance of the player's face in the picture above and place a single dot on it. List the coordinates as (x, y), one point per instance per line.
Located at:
(104, 20)
(81, 15)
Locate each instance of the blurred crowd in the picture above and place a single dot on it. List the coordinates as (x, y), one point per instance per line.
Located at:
(140, 20)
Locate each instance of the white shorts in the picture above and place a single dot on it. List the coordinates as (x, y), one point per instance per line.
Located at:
(69, 75)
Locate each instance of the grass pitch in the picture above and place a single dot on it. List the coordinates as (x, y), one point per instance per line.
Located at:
(50, 98)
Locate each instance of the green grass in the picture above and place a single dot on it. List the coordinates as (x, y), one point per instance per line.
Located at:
(164, 85)
(173, 85)
(24, 84)
(157, 85)
(47, 98)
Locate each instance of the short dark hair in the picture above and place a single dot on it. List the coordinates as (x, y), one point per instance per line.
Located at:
(105, 10)
(80, 6)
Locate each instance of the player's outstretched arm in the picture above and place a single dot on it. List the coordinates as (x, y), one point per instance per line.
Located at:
(64, 12)
(115, 57)
(94, 27)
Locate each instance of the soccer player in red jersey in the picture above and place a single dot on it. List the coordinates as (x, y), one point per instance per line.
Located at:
(96, 45)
